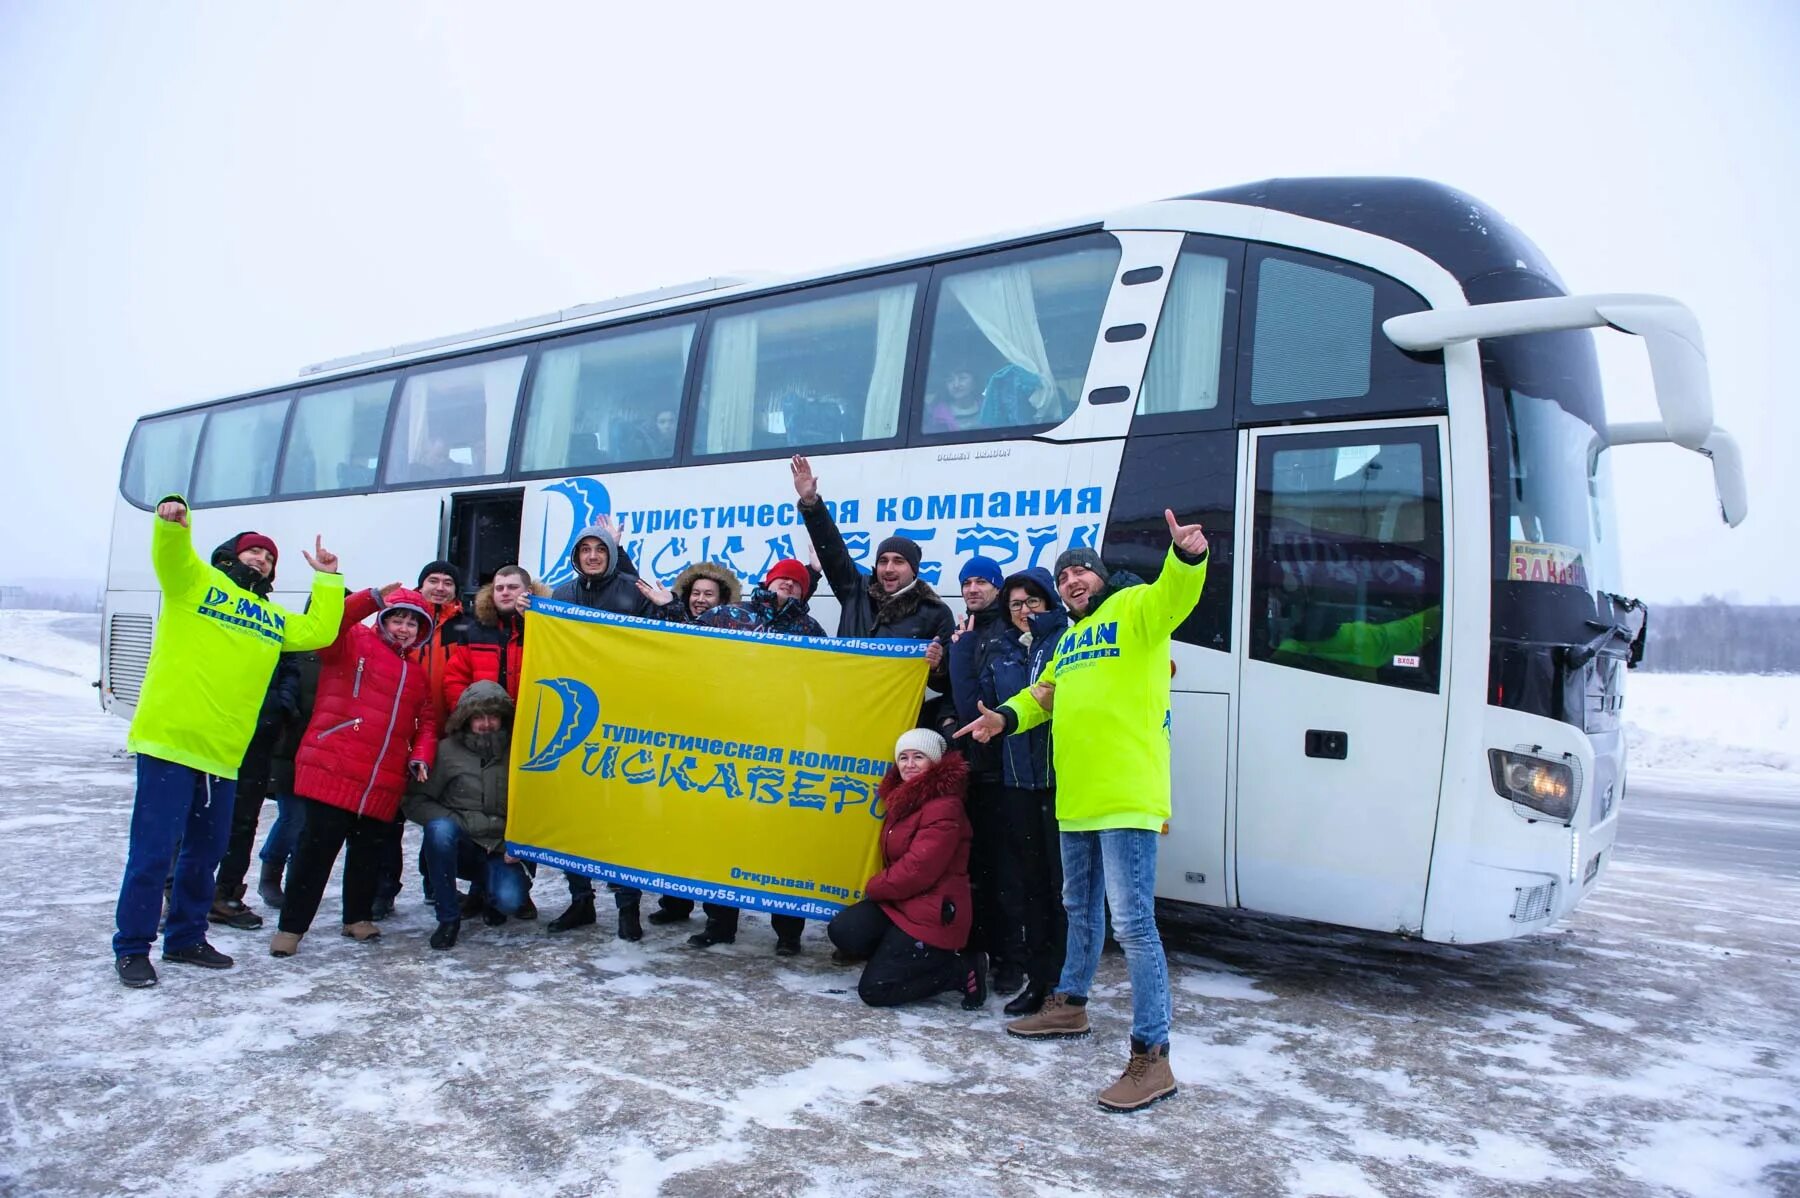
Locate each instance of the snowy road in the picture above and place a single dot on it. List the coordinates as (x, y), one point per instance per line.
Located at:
(1646, 1048)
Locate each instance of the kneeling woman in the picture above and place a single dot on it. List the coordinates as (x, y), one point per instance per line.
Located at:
(372, 726)
(913, 925)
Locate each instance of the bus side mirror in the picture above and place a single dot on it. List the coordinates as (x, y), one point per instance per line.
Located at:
(1677, 366)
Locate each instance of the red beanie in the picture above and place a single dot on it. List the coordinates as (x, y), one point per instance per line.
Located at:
(255, 540)
(791, 570)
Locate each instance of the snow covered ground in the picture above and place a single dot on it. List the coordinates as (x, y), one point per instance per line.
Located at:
(1647, 1047)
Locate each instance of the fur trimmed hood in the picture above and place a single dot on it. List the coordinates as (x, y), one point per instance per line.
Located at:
(488, 614)
(729, 588)
(482, 698)
(948, 776)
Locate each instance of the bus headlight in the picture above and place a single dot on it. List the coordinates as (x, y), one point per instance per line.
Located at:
(1534, 782)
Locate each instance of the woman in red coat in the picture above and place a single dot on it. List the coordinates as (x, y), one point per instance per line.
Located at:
(373, 725)
(913, 926)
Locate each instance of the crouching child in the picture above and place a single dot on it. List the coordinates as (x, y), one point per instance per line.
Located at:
(462, 807)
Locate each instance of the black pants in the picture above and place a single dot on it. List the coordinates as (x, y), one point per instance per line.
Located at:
(900, 969)
(246, 810)
(787, 927)
(997, 908)
(392, 862)
(1032, 875)
(328, 829)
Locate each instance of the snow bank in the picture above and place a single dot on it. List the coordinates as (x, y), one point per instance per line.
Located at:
(1714, 723)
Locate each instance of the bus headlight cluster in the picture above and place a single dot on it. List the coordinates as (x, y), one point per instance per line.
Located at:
(1535, 782)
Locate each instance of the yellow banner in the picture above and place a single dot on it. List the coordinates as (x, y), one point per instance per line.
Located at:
(730, 767)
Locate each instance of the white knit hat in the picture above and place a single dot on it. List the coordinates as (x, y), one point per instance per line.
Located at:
(922, 740)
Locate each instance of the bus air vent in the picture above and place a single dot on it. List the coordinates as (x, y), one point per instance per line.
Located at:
(127, 654)
(1532, 903)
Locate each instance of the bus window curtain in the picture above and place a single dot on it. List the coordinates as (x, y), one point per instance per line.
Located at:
(326, 423)
(1183, 374)
(1001, 304)
(414, 402)
(499, 392)
(551, 420)
(730, 396)
(881, 410)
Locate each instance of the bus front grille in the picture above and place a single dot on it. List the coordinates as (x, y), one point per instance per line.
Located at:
(1532, 903)
(127, 654)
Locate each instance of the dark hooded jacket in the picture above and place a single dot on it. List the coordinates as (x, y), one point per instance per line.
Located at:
(764, 611)
(466, 785)
(1008, 665)
(280, 708)
(491, 649)
(293, 730)
(614, 589)
(914, 613)
(966, 652)
(923, 885)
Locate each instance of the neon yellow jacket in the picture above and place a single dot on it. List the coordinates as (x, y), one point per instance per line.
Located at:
(213, 655)
(1111, 706)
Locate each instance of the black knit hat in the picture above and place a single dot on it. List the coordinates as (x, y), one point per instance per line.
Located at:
(441, 568)
(1084, 557)
(906, 547)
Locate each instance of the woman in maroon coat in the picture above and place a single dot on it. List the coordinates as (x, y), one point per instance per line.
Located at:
(913, 926)
(373, 725)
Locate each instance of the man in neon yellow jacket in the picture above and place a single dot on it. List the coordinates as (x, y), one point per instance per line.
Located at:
(216, 646)
(1108, 686)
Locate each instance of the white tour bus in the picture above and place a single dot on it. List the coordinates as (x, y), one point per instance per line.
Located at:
(1398, 704)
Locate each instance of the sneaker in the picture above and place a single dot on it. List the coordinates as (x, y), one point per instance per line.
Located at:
(233, 914)
(1057, 1019)
(445, 936)
(135, 971)
(579, 915)
(362, 931)
(975, 981)
(629, 926)
(1147, 1078)
(1007, 979)
(712, 934)
(787, 948)
(202, 954)
(1030, 1000)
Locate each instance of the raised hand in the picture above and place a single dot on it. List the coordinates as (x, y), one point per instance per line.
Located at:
(805, 485)
(321, 559)
(984, 727)
(655, 592)
(174, 511)
(609, 526)
(967, 625)
(1189, 538)
(387, 590)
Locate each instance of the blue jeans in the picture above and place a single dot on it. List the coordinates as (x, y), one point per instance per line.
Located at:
(284, 833)
(624, 897)
(176, 805)
(1116, 868)
(451, 854)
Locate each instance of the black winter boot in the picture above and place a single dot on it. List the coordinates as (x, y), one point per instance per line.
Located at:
(445, 936)
(1030, 1000)
(630, 927)
(974, 985)
(1007, 978)
(579, 915)
(268, 885)
(715, 932)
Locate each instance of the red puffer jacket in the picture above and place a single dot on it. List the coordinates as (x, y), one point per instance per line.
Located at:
(490, 649)
(372, 717)
(925, 843)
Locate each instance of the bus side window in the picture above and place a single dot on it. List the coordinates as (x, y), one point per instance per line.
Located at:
(238, 451)
(1011, 336)
(610, 400)
(1312, 345)
(161, 458)
(334, 440)
(454, 423)
(1348, 560)
(804, 371)
(1192, 358)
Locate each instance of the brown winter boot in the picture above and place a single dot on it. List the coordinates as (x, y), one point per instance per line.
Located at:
(1057, 1019)
(362, 930)
(284, 944)
(1147, 1079)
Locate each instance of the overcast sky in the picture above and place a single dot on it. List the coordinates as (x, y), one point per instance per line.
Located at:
(202, 198)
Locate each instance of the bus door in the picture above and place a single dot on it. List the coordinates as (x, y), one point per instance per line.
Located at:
(1342, 717)
(481, 533)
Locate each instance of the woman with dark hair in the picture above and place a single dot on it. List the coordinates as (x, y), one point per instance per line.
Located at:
(913, 924)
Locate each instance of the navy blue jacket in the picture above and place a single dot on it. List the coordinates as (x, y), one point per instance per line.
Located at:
(1006, 667)
(965, 656)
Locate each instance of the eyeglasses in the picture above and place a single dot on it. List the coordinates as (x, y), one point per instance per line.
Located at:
(1026, 605)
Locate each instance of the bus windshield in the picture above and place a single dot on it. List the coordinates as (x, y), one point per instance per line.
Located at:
(1558, 502)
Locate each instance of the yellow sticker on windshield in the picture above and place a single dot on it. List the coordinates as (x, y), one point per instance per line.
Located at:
(1545, 561)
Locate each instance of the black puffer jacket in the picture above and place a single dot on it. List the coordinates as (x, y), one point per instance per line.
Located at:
(914, 613)
(615, 588)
